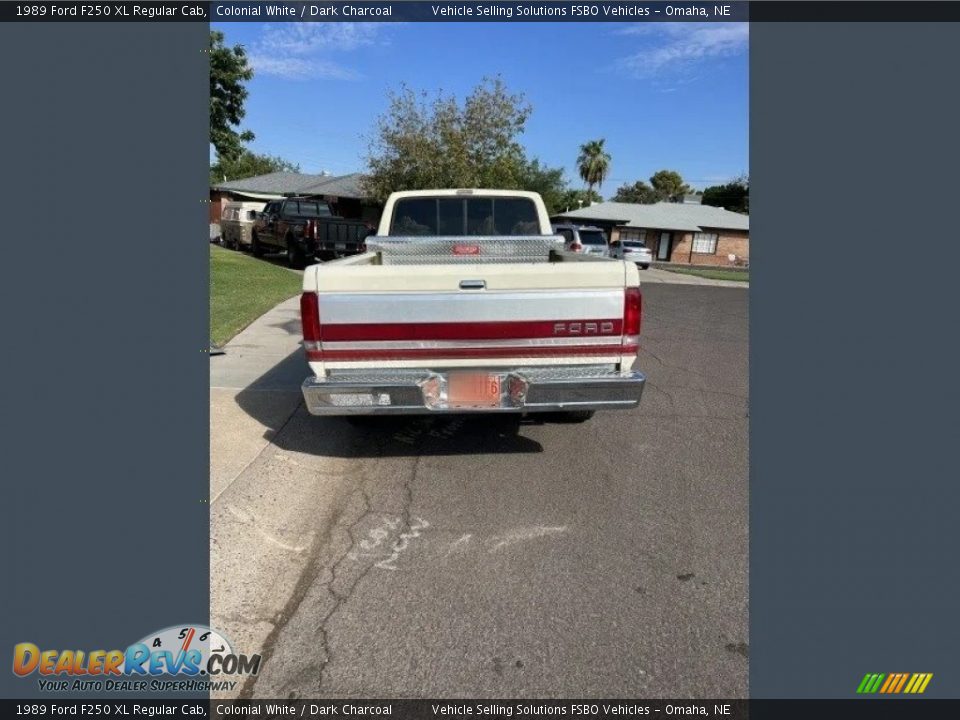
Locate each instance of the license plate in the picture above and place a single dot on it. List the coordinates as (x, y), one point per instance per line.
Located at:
(473, 389)
(340, 246)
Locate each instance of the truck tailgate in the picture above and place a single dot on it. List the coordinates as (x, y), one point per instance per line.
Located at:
(483, 315)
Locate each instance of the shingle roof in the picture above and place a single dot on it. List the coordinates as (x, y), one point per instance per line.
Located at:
(662, 216)
(280, 183)
(343, 186)
(276, 183)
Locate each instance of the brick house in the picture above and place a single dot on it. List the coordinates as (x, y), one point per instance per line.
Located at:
(686, 233)
(343, 192)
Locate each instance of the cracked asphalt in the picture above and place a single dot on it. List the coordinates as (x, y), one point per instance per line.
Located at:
(492, 557)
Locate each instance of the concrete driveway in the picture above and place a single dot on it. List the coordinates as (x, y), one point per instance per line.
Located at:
(445, 557)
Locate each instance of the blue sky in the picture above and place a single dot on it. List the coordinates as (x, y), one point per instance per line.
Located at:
(664, 95)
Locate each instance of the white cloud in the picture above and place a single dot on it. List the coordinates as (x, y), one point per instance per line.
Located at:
(304, 38)
(296, 68)
(302, 51)
(675, 52)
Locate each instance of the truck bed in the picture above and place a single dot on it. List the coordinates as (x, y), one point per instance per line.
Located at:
(470, 323)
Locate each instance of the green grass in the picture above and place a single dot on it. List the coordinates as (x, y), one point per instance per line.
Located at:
(735, 275)
(242, 289)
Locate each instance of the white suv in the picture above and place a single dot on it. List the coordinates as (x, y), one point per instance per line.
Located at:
(586, 240)
(632, 251)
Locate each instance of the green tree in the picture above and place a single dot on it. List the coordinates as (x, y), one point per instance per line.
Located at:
(593, 163)
(248, 164)
(550, 183)
(668, 185)
(575, 199)
(639, 192)
(733, 196)
(229, 71)
(421, 143)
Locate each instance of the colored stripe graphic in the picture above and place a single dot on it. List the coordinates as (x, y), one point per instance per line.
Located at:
(890, 686)
(903, 680)
(491, 330)
(894, 683)
(870, 683)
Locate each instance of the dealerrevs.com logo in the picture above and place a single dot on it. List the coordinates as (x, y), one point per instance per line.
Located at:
(178, 658)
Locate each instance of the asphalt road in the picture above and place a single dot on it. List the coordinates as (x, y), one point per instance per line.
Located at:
(489, 557)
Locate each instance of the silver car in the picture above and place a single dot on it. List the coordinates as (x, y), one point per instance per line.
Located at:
(632, 251)
(586, 240)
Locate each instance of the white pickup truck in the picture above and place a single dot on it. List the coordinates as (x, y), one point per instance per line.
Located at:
(466, 302)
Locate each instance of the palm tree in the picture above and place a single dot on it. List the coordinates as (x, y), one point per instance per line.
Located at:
(593, 164)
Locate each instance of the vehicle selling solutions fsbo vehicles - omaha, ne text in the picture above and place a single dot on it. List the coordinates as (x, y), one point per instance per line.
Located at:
(467, 302)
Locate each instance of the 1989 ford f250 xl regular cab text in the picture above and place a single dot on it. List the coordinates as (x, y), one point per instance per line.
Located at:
(466, 302)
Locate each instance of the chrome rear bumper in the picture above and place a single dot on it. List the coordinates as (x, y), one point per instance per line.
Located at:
(524, 391)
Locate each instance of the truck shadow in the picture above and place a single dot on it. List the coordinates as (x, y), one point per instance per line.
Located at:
(294, 429)
(291, 327)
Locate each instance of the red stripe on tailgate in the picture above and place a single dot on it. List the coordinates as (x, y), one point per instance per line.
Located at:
(467, 353)
(469, 331)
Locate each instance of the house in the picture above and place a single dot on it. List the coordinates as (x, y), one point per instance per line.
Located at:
(343, 192)
(676, 232)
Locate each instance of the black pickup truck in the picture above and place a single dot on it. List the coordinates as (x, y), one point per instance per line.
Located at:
(306, 228)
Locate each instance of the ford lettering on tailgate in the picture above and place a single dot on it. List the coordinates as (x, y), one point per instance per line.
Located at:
(605, 327)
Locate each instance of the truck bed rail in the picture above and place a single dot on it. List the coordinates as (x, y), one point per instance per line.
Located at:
(416, 250)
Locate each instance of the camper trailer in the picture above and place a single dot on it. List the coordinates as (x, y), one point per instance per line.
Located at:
(236, 223)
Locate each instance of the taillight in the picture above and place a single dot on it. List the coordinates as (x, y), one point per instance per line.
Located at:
(310, 322)
(576, 247)
(632, 311)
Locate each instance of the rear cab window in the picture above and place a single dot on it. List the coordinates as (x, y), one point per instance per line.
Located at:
(306, 208)
(313, 209)
(460, 216)
(592, 237)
